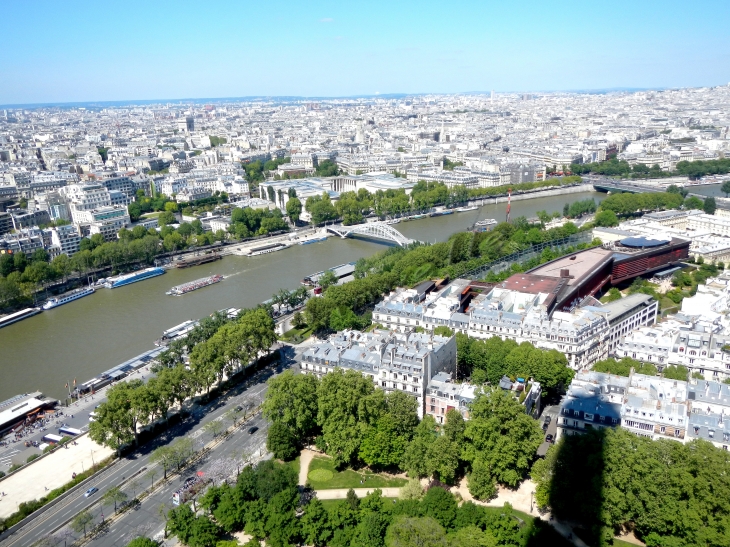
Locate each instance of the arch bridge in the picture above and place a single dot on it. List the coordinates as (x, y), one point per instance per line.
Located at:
(378, 230)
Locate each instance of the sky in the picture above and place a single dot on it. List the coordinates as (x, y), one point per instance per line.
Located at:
(75, 51)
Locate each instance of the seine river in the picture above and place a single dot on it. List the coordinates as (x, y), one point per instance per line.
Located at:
(83, 338)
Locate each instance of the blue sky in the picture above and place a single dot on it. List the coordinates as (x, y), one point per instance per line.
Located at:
(123, 50)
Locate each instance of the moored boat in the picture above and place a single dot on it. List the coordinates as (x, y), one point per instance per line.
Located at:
(127, 279)
(65, 299)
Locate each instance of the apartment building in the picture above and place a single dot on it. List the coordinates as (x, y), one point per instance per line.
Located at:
(587, 333)
(66, 239)
(395, 361)
(648, 406)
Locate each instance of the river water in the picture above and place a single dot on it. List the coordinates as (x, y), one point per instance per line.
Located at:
(88, 336)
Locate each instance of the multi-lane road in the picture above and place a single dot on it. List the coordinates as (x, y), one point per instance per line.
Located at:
(146, 519)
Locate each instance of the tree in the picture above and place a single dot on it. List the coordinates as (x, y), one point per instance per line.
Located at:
(294, 209)
(501, 436)
(81, 521)
(327, 279)
(440, 505)
(326, 168)
(343, 413)
(412, 490)
(281, 441)
(142, 542)
(135, 485)
(415, 458)
(693, 202)
(291, 399)
(180, 521)
(163, 456)
(709, 206)
(214, 428)
(203, 533)
(381, 446)
(165, 218)
(725, 188)
(480, 481)
(150, 474)
(676, 372)
(115, 424)
(316, 528)
(113, 496)
(606, 219)
(613, 295)
(415, 532)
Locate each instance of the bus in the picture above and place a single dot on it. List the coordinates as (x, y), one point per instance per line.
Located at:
(51, 438)
(70, 431)
(189, 489)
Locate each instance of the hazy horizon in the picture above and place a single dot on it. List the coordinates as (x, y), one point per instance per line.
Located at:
(82, 51)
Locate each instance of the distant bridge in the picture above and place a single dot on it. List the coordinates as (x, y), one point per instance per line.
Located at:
(379, 230)
(631, 188)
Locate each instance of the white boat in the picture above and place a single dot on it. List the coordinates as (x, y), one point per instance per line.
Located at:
(6, 320)
(465, 209)
(114, 282)
(393, 221)
(266, 249)
(65, 299)
(485, 225)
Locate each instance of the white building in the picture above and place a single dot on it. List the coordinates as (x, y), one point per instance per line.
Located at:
(84, 198)
(648, 406)
(394, 361)
(586, 334)
(66, 239)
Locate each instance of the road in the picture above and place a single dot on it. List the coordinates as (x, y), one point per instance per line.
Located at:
(76, 416)
(145, 520)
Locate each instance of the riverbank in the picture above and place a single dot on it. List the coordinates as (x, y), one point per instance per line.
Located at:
(537, 194)
(88, 336)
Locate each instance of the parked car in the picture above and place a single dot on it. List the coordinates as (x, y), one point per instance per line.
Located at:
(91, 491)
(546, 423)
(549, 439)
(253, 430)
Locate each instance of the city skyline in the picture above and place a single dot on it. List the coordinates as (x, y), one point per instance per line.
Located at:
(172, 52)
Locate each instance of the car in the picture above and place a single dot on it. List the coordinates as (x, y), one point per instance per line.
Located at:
(253, 430)
(546, 423)
(549, 439)
(239, 408)
(91, 491)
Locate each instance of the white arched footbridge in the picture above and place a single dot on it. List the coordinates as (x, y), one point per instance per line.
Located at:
(379, 230)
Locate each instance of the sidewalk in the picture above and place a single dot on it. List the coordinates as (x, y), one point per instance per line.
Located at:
(521, 499)
(341, 493)
(53, 471)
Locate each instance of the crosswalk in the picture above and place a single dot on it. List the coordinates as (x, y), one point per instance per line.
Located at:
(7, 458)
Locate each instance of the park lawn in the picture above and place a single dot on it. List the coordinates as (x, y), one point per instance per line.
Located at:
(323, 476)
(621, 543)
(153, 214)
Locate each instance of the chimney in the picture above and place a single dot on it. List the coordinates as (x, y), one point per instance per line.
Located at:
(564, 272)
